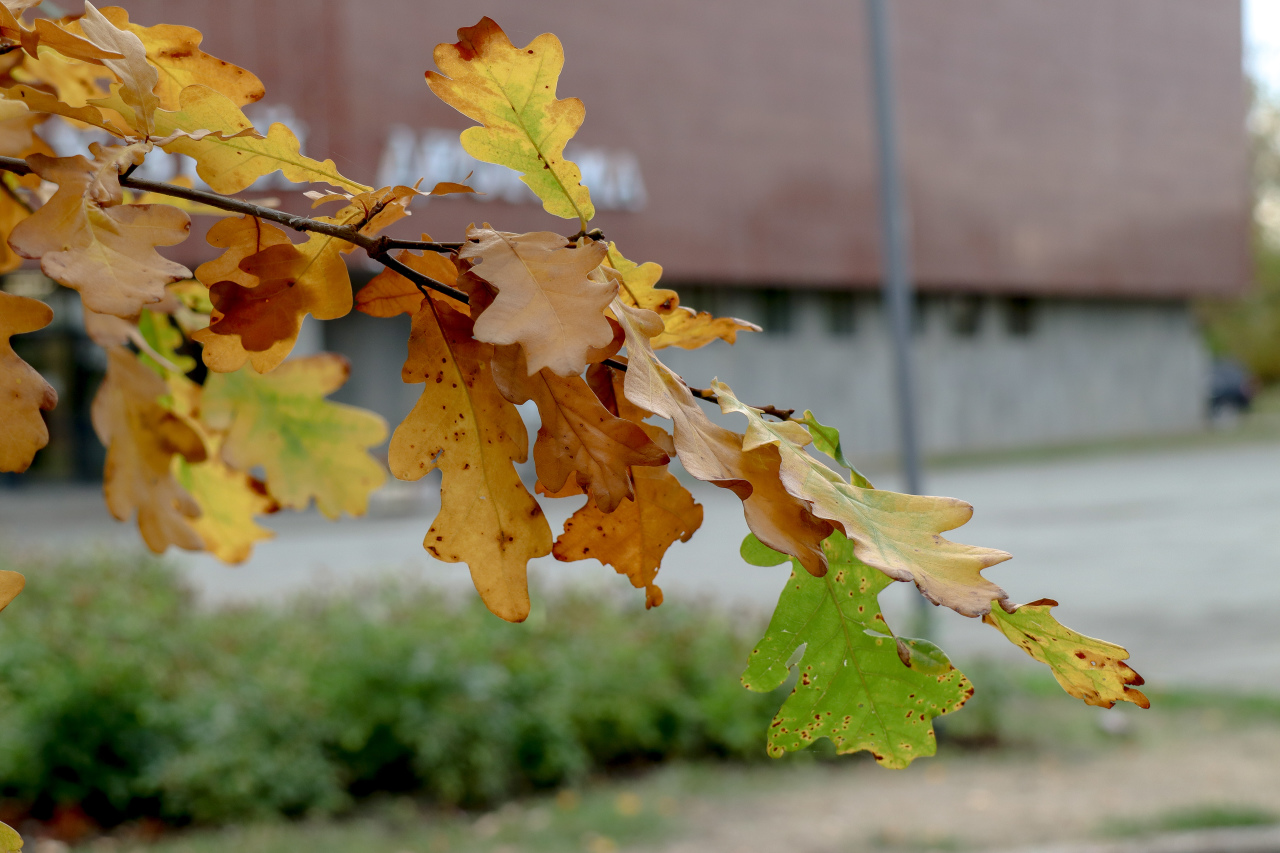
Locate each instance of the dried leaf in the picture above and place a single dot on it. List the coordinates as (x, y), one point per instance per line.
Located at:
(898, 534)
(682, 327)
(308, 446)
(50, 34)
(389, 293)
(451, 188)
(578, 434)
(1088, 669)
(12, 212)
(464, 427)
(22, 389)
(42, 102)
(547, 300)
(89, 242)
(853, 686)
(714, 454)
(262, 287)
(142, 437)
(175, 53)
(512, 93)
(635, 536)
(137, 76)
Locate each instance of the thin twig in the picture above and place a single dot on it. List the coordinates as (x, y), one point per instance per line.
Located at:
(378, 248)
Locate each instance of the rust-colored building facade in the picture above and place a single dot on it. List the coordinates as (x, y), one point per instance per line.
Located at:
(1076, 172)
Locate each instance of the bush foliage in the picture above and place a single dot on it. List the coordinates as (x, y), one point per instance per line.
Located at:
(118, 694)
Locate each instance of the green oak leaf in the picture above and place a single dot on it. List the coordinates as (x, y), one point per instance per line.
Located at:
(308, 446)
(858, 684)
(756, 553)
(827, 440)
(165, 338)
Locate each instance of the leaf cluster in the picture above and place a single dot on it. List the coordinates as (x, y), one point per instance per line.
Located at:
(498, 319)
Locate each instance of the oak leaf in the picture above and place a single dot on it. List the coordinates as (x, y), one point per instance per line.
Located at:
(23, 391)
(1088, 669)
(262, 287)
(231, 155)
(138, 77)
(10, 840)
(854, 683)
(901, 535)
(50, 34)
(463, 426)
(142, 437)
(38, 101)
(550, 297)
(174, 51)
(635, 536)
(389, 294)
(512, 92)
(682, 327)
(88, 241)
(578, 435)
(12, 211)
(714, 454)
(308, 447)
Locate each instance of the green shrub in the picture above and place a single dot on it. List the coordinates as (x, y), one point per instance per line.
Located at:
(119, 694)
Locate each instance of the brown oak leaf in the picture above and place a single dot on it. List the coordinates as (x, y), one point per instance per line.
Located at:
(88, 241)
(578, 434)
(551, 296)
(714, 454)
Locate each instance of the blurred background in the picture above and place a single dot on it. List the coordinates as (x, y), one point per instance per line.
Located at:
(1093, 192)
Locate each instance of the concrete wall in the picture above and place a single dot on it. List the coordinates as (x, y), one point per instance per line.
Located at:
(992, 373)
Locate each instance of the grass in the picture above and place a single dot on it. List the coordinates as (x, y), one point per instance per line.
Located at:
(1212, 816)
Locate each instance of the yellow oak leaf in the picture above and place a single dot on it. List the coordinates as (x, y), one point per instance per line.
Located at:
(229, 500)
(1088, 669)
(11, 583)
(512, 92)
(18, 138)
(138, 77)
(682, 327)
(175, 53)
(389, 293)
(74, 82)
(716, 455)
(10, 840)
(142, 437)
(50, 34)
(43, 102)
(23, 391)
(551, 296)
(462, 425)
(578, 434)
(12, 211)
(85, 239)
(308, 446)
(262, 287)
(901, 535)
(635, 536)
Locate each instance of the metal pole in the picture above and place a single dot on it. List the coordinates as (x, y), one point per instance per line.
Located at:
(896, 264)
(894, 228)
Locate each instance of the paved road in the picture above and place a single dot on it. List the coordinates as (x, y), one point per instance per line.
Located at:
(1174, 554)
